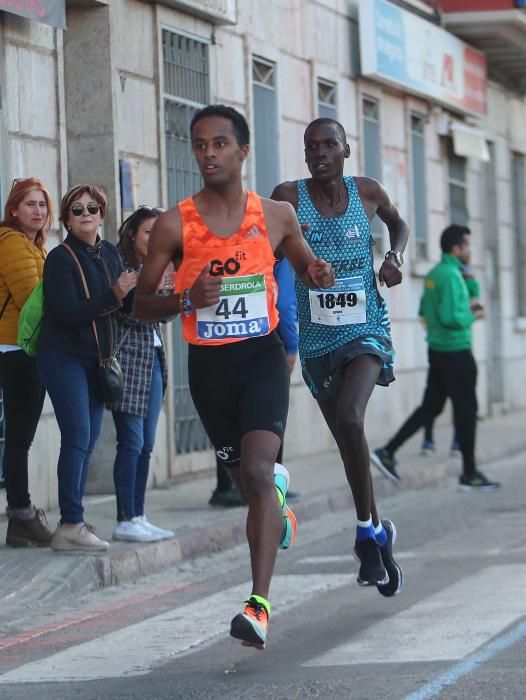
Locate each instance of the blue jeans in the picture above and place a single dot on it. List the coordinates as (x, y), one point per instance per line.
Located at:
(71, 385)
(135, 440)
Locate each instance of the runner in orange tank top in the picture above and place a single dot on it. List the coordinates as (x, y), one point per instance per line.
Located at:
(222, 242)
(247, 306)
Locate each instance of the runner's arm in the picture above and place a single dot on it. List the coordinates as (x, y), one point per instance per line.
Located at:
(397, 227)
(390, 273)
(164, 245)
(313, 272)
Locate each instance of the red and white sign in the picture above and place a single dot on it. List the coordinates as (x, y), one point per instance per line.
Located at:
(52, 12)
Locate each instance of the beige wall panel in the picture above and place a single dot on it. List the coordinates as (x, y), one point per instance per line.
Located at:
(138, 118)
(230, 69)
(133, 39)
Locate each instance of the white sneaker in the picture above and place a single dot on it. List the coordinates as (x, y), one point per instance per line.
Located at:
(147, 525)
(77, 539)
(133, 531)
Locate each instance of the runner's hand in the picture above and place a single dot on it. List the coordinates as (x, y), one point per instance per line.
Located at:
(205, 291)
(389, 274)
(321, 273)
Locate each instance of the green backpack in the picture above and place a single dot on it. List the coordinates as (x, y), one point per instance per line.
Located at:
(30, 321)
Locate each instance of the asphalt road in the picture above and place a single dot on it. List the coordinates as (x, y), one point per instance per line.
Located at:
(457, 630)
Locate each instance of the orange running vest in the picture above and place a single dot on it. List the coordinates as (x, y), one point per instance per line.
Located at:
(245, 261)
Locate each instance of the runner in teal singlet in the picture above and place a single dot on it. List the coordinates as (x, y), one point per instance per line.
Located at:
(345, 340)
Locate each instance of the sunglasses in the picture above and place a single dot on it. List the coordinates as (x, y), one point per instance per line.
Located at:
(78, 209)
(154, 210)
(18, 179)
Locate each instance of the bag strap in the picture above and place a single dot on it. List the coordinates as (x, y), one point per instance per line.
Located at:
(6, 302)
(86, 291)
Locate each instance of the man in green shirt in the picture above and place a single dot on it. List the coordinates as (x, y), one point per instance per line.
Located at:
(448, 312)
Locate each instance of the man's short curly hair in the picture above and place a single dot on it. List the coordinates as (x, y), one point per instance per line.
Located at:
(239, 123)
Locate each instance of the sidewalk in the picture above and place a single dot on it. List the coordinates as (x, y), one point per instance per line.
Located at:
(43, 574)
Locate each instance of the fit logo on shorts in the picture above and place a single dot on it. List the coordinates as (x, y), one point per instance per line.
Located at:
(241, 312)
(225, 454)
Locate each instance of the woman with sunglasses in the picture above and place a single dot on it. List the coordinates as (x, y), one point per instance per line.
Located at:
(69, 350)
(27, 217)
(141, 356)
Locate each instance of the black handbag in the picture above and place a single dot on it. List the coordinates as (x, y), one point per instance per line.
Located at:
(110, 380)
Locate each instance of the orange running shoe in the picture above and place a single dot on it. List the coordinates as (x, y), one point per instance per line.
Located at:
(251, 625)
(288, 533)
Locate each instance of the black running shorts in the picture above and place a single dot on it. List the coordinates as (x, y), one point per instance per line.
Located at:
(237, 388)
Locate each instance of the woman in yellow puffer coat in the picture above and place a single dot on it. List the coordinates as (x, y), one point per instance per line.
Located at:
(27, 217)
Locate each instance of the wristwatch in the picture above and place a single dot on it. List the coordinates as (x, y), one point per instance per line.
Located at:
(397, 255)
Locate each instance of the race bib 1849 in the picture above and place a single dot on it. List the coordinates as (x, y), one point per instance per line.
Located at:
(341, 305)
(241, 312)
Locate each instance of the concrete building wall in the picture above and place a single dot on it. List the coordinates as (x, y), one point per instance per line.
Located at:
(32, 144)
(92, 119)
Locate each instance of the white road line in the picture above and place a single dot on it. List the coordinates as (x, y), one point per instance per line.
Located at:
(420, 554)
(137, 649)
(344, 559)
(447, 626)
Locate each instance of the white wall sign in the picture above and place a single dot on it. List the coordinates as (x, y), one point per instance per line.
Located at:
(216, 11)
(400, 48)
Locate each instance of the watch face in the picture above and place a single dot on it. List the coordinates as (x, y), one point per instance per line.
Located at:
(397, 256)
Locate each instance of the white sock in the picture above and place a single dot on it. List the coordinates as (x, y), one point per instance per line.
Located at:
(365, 523)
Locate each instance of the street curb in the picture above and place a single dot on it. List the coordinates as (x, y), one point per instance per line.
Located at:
(132, 564)
(121, 565)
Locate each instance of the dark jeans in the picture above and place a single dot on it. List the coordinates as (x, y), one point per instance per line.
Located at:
(135, 440)
(453, 375)
(71, 385)
(23, 393)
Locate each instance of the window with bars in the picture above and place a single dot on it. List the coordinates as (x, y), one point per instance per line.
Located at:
(518, 161)
(327, 94)
(372, 154)
(457, 187)
(186, 74)
(186, 89)
(266, 151)
(418, 162)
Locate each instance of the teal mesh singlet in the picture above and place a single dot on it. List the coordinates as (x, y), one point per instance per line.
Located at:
(353, 309)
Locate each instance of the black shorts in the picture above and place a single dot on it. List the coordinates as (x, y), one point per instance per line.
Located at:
(237, 388)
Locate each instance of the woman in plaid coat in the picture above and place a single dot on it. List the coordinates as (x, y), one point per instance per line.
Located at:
(143, 361)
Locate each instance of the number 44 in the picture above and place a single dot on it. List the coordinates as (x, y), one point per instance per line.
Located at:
(239, 309)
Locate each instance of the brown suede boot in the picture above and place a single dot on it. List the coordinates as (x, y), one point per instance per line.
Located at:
(24, 530)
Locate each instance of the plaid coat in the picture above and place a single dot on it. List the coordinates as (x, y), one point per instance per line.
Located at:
(136, 355)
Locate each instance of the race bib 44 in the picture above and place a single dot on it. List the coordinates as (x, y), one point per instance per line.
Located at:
(341, 305)
(241, 312)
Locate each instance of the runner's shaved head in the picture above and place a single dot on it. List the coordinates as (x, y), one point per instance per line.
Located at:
(327, 121)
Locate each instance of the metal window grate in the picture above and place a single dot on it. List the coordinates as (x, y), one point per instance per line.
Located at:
(186, 88)
(183, 176)
(186, 67)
